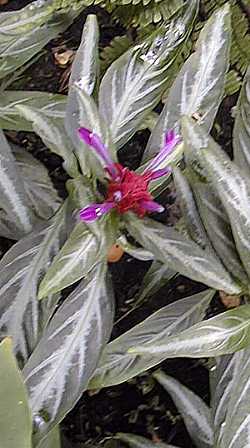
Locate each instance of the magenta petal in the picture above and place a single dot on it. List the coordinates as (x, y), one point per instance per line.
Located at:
(95, 211)
(160, 173)
(86, 135)
(152, 206)
(171, 140)
(94, 140)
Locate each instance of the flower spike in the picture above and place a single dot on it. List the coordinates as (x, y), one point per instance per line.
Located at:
(127, 190)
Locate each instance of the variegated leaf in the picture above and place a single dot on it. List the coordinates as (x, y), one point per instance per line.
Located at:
(15, 415)
(235, 429)
(53, 439)
(199, 86)
(135, 441)
(85, 247)
(223, 372)
(220, 335)
(157, 276)
(41, 194)
(25, 32)
(212, 209)
(190, 212)
(137, 252)
(181, 254)
(195, 413)
(241, 133)
(50, 104)
(51, 131)
(234, 192)
(21, 314)
(82, 111)
(59, 369)
(13, 198)
(133, 84)
(117, 365)
(85, 67)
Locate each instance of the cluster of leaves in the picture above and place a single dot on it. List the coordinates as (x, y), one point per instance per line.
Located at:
(144, 15)
(62, 345)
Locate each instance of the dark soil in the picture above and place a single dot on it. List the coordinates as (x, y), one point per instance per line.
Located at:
(140, 406)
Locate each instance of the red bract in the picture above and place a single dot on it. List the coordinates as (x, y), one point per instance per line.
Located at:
(127, 190)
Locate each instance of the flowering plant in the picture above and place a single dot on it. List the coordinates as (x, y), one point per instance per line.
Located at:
(62, 345)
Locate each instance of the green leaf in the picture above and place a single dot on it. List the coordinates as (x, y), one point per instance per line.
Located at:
(199, 86)
(51, 131)
(226, 333)
(25, 32)
(41, 194)
(190, 212)
(59, 369)
(223, 373)
(15, 415)
(82, 112)
(53, 439)
(181, 254)
(133, 84)
(211, 207)
(85, 67)
(135, 441)
(117, 365)
(156, 277)
(52, 105)
(195, 413)
(241, 133)
(21, 315)
(134, 251)
(234, 192)
(235, 429)
(13, 198)
(85, 247)
(81, 109)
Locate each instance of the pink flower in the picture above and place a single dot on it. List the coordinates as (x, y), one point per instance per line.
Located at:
(127, 190)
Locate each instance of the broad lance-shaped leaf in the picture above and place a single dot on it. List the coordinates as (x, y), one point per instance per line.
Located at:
(85, 247)
(25, 32)
(133, 85)
(83, 112)
(53, 439)
(85, 67)
(41, 194)
(199, 86)
(135, 441)
(157, 276)
(81, 109)
(137, 252)
(50, 104)
(223, 373)
(211, 209)
(21, 314)
(234, 192)
(117, 365)
(181, 254)
(53, 134)
(241, 133)
(59, 369)
(235, 429)
(195, 413)
(189, 211)
(13, 199)
(220, 335)
(15, 414)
